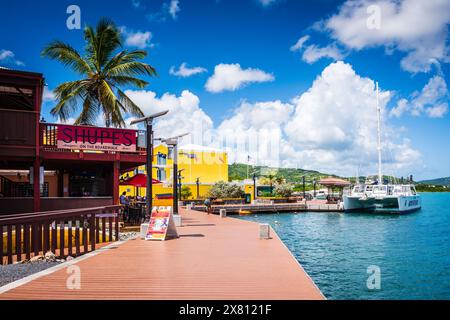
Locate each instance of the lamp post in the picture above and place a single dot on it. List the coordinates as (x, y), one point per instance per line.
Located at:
(179, 182)
(197, 182)
(254, 186)
(148, 166)
(314, 184)
(304, 187)
(173, 142)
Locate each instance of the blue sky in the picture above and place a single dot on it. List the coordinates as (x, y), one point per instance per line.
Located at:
(253, 40)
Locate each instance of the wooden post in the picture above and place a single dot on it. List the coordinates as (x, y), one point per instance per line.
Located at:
(9, 246)
(36, 186)
(92, 230)
(116, 174)
(18, 241)
(1, 246)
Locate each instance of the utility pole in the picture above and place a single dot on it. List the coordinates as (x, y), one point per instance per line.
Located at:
(197, 182)
(173, 142)
(149, 159)
(314, 185)
(179, 182)
(254, 186)
(304, 188)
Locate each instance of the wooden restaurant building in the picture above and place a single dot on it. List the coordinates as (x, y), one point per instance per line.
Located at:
(48, 166)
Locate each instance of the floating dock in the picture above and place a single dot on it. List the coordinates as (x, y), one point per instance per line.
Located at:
(214, 258)
(273, 208)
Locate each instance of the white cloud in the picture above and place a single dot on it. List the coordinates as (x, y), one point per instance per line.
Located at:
(313, 53)
(330, 127)
(334, 126)
(299, 44)
(184, 71)
(48, 95)
(416, 27)
(174, 8)
(8, 57)
(254, 129)
(432, 100)
(137, 39)
(232, 77)
(185, 113)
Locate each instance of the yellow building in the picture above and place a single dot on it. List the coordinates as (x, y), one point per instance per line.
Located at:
(208, 165)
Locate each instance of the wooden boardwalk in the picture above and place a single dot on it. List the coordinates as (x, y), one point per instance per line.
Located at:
(214, 258)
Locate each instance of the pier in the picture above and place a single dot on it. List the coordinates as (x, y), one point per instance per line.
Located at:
(316, 206)
(214, 258)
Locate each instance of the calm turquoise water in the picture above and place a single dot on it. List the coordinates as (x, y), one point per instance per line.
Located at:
(412, 251)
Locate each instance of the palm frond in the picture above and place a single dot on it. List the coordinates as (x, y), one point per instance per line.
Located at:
(67, 55)
(88, 115)
(111, 105)
(67, 95)
(129, 105)
(102, 42)
(132, 68)
(127, 80)
(123, 57)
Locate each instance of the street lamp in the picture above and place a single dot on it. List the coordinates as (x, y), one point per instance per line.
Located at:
(179, 182)
(254, 186)
(148, 166)
(173, 142)
(197, 182)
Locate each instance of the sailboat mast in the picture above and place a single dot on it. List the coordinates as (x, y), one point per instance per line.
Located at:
(380, 175)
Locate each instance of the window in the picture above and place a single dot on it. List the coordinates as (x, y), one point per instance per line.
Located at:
(161, 174)
(161, 159)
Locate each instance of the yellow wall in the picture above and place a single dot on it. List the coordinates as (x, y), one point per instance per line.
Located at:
(209, 167)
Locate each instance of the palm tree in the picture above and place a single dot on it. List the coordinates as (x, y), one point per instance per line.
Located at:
(103, 72)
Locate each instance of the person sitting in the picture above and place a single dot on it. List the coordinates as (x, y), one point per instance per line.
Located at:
(126, 203)
(124, 199)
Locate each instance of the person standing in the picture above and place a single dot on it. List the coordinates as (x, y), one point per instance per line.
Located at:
(208, 205)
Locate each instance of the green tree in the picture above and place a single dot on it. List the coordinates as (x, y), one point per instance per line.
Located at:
(223, 189)
(103, 71)
(284, 190)
(185, 192)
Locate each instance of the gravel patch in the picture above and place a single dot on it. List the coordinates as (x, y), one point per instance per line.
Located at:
(123, 236)
(13, 272)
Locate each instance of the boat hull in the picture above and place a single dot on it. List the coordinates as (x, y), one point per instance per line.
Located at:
(401, 204)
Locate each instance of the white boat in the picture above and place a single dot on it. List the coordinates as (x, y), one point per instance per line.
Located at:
(380, 197)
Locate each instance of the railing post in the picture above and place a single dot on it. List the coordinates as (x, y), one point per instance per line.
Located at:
(62, 238)
(1, 245)
(26, 240)
(9, 243)
(69, 237)
(92, 229)
(117, 224)
(18, 241)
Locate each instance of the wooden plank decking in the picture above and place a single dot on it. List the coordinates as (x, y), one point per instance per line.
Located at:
(214, 258)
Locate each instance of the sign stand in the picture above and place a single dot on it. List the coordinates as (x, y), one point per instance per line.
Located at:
(161, 225)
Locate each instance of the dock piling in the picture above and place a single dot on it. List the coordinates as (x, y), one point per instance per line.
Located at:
(264, 231)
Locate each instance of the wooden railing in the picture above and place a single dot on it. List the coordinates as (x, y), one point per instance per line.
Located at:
(64, 232)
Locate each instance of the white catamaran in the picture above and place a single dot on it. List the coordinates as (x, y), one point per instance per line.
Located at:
(380, 197)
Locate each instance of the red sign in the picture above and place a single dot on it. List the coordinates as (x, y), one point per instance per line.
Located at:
(158, 225)
(95, 138)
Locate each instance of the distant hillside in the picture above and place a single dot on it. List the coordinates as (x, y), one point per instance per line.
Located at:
(238, 171)
(437, 182)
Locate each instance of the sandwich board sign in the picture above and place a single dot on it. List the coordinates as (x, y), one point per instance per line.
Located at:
(161, 225)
